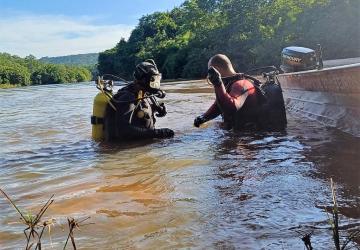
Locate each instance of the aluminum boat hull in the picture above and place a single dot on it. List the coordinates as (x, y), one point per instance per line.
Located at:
(330, 96)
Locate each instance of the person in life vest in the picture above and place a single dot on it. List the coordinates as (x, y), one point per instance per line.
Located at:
(134, 107)
(242, 104)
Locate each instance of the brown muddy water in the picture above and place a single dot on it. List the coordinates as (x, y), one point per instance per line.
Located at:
(204, 189)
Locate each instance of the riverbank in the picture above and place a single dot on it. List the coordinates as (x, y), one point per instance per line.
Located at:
(164, 82)
(13, 86)
(9, 86)
(327, 64)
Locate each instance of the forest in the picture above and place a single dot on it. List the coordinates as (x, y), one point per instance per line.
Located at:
(252, 33)
(17, 71)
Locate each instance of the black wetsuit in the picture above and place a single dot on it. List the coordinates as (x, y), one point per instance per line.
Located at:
(263, 108)
(269, 113)
(133, 119)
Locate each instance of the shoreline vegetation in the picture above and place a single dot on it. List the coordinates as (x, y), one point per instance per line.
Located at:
(16, 71)
(9, 86)
(252, 33)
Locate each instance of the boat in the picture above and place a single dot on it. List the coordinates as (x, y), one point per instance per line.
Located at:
(329, 94)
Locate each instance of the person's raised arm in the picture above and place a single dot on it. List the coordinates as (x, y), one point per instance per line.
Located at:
(233, 101)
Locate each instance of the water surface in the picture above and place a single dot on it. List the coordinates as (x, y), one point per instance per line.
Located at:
(206, 188)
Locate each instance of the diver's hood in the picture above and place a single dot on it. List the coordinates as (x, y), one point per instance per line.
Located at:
(149, 72)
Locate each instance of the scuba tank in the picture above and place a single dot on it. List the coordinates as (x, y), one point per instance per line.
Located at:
(101, 100)
(105, 99)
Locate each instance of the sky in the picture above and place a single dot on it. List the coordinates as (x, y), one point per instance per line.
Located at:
(68, 27)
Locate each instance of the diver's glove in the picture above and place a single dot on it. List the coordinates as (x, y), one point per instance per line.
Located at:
(161, 110)
(199, 120)
(164, 133)
(214, 77)
(160, 94)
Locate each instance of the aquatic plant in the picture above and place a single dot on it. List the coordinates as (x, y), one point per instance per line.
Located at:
(73, 223)
(35, 227)
(306, 238)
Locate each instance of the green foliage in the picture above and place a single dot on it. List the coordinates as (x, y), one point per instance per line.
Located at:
(51, 73)
(25, 71)
(12, 71)
(251, 33)
(14, 74)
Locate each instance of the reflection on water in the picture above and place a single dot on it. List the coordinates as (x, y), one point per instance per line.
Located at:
(205, 188)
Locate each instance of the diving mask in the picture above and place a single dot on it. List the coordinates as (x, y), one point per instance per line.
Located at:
(155, 81)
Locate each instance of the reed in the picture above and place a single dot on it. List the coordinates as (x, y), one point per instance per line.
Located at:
(306, 238)
(73, 224)
(334, 222)
(35, 227)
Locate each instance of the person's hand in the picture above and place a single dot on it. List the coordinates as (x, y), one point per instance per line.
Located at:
(161, 110)
(164, 133)
(199, 120)
(160, 94)
(214, 77)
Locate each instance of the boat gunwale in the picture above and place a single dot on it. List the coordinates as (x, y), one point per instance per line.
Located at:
(348, 66)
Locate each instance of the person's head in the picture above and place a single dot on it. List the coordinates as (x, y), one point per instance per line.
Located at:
(147, 76)
(223, 64)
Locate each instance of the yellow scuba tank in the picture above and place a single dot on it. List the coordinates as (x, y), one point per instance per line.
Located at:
(97, 119)
(100, 102)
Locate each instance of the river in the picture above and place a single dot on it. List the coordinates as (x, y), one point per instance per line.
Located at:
(206, 188)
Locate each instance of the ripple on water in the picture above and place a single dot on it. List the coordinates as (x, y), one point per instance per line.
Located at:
(206, 188)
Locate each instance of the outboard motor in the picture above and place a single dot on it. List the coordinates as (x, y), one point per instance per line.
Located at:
(295, 59)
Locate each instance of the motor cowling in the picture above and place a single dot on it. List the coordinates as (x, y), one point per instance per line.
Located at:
(294, 59)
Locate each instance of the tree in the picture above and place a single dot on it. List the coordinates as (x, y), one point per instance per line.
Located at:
(13, 73)
(251, 33)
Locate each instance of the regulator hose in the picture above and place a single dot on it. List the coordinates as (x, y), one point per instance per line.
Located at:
(106, 87)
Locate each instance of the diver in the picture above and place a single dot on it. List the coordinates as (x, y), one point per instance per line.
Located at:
(243, 104)
(130, 114)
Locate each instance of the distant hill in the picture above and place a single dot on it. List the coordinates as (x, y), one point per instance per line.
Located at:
(81, 59)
